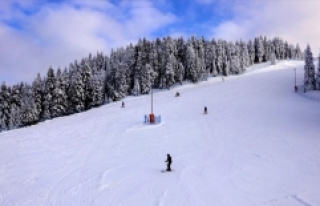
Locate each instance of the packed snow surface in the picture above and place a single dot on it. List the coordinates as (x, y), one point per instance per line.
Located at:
(259, 144)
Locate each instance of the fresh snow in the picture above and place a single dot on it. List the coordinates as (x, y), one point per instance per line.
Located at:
(259, 144)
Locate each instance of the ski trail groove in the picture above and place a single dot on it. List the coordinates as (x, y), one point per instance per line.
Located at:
(209, 158)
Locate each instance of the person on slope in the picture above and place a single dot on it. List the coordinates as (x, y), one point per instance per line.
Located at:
(122, 105)
(168, 161)
(205, 110)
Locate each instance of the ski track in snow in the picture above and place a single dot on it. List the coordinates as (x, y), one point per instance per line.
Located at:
(250, 149)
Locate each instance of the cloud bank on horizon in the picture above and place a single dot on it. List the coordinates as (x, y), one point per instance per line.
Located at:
(35, 34)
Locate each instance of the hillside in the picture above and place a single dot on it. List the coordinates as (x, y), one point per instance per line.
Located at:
(259, 145)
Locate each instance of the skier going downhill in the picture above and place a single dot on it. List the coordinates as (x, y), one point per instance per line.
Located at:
(168, 161)
(205, 110)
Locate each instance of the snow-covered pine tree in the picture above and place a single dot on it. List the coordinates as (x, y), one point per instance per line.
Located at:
(273, 59)
(226, 66)
(220, 53)
(157, 50)
(76, 93)
(271, 49)
(213, 42)
(258, 43)
(298, 53)
(266, 56)
(85, 70)
(38, 95)
(16, 95)
(15, 117)
(309, 70)
(136, 71)
(125, 71)
(48, 90)
(210, 59)
(145, 68)
(318, 75)
(286, 50)
(234, 56)
(281, 49)
(118, 78)
(191, 62)
(237, 64)
(237, 49)
(96, 87)
(203, 73)
(213, 58)
(252, 52)
(72, 69)
(5, 104)
(167, 79)
(162, 52)
(180, 73)
(15, 107)
(59, 98)
(65, 79)
(152, 55)
(244, 56)
(99, 61)
(197, 70)
(181, 59)
(169, 71)
(291, 52)
(29, 113)
(146, 81)
(231, 52)
(276, 44)
(122, 80)
(123, 76)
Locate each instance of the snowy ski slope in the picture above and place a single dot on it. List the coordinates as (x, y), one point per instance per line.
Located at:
(259, 145)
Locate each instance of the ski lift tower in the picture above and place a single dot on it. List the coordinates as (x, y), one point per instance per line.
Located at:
(151, 115)
(295, 80)
(295, 77)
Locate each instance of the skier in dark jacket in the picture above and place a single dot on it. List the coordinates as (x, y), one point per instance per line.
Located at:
(168, 161)
(205, 110)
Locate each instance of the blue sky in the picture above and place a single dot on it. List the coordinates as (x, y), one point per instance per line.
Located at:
(37, 34)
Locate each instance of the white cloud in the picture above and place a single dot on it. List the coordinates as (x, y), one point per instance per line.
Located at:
(56, 35)
(145, 19)
(229, 30)
(292, 20)
(177, 34)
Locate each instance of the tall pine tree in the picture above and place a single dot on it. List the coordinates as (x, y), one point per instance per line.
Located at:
(4, 107)
(29, 113)
(318, 75)
(309, 70)
(47, 102)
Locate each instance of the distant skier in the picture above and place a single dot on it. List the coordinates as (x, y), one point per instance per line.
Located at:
(122, 105)
(168, 161)
(177, 94)
(205, 110)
